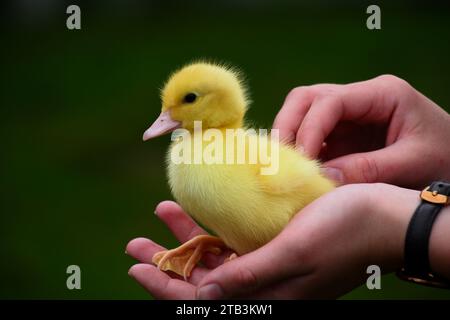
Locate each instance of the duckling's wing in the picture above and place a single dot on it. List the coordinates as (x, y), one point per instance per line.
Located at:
(292, 173)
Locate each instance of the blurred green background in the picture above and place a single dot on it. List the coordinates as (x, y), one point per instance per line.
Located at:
(77, 182)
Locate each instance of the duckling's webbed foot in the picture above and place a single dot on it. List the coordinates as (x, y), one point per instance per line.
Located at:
(183, 259)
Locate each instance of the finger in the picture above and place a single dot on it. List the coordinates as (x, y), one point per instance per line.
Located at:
(247, 273)
(384, 165)
(295, 107)
(292, 112)
(179, 222)
(143, 249)
(185, 228)
(360, 102)
(160, 285)
(315, 127)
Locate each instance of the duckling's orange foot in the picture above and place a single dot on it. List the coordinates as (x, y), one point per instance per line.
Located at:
(183, 259)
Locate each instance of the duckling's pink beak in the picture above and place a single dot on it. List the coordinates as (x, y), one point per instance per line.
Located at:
(162, 125)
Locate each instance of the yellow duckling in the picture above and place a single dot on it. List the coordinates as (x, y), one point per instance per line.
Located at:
(243, 206)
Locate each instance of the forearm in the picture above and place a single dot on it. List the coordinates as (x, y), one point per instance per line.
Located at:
(393, 209)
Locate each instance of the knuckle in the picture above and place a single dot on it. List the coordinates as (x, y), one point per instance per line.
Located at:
(388, 78)
(328, 90)
(298, 92)
(246, 277)
(313, 92)
(367, 169)
(329, 98)
(394, 82)
(397, 87)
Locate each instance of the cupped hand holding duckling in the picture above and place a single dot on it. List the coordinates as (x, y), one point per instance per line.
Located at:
(323, 252)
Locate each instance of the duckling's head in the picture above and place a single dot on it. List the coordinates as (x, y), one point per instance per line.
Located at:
(206, 92)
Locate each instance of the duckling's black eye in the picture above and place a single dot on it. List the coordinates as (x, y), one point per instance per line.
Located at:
(190, 98)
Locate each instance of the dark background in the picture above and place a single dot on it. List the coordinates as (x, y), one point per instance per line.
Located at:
(77, 183)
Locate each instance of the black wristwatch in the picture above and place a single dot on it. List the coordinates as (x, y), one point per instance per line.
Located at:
(416, 259)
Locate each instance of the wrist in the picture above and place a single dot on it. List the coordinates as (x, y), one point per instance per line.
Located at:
(393, 208)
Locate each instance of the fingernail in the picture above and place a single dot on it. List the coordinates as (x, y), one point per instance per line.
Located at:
(209, 292)
(156, 213)
(126, 252)
(334, 174)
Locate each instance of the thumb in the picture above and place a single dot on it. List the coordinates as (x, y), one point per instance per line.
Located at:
(244, 274)
(393, 164)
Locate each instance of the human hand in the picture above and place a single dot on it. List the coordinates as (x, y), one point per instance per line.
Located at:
(322, 253)
(160, 284)
(380, 130)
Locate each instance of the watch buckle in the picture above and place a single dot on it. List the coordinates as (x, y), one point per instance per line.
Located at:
(434, 197)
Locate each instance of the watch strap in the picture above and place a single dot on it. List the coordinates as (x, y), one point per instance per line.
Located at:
(416, 259)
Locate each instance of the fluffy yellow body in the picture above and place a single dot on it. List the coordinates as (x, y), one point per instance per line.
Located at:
(240, 205)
